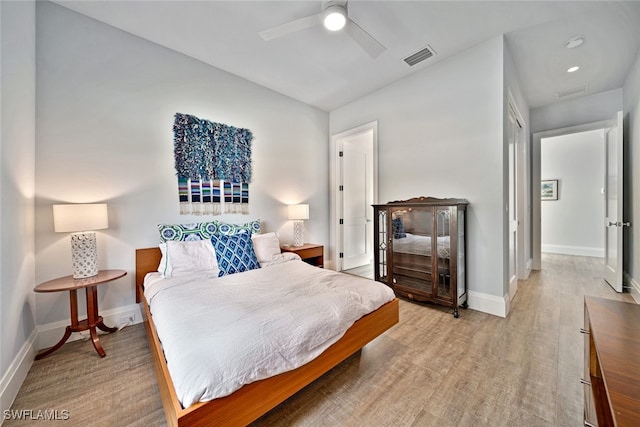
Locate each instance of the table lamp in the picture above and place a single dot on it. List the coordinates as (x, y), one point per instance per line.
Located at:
(80, 220)
(298, 213)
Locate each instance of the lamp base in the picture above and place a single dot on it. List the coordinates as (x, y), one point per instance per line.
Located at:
(84, 254)
(298, 233)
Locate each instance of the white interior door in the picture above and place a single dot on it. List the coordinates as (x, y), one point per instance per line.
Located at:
(357, 198)
(613, 203)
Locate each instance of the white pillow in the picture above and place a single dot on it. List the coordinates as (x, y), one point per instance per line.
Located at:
(179, 258)
(266, 246)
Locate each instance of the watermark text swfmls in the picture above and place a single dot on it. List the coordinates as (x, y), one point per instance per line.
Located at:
(36, 414)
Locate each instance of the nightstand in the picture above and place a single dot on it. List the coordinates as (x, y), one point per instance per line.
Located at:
(93, 320)
(310, 253)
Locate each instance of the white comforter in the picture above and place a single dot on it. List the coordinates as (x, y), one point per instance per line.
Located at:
(221, 333)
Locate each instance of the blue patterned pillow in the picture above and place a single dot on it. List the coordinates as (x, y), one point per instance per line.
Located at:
(251, 227)
(397, 228)
(234, 253)
(204, 230)
(187, 232)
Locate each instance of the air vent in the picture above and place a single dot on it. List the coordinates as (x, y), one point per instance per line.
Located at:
(420, 56)
(572, 92)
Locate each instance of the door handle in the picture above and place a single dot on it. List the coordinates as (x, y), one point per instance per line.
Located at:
(620, 224)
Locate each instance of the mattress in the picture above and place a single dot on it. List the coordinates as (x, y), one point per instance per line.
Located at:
(220, 333)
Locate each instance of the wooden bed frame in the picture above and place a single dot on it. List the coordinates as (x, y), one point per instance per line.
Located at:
(256, 399)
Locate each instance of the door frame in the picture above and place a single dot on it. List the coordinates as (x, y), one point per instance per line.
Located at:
(615, 278)
(516, 192)
(335, 175)
(536, 168)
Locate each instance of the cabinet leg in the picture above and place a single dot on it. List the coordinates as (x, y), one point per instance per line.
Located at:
(456, 314)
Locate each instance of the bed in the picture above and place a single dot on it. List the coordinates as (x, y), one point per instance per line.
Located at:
(250, 401)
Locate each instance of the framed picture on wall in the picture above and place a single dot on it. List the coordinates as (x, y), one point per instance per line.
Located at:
(549, 189)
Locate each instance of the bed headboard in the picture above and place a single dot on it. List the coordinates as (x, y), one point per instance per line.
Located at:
(147, 260)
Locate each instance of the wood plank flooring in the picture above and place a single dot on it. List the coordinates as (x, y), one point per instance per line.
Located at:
(429, 370)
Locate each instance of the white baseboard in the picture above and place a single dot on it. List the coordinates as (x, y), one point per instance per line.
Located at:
(513, 290)
(50, 334)
(633, 286)
(574, 250)
(491, 304)
(14, 377)
(528, 268)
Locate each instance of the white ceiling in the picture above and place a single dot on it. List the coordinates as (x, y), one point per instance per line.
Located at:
(328, 70)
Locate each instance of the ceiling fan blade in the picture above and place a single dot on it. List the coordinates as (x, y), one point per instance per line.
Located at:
(366, 42)
(291, 27)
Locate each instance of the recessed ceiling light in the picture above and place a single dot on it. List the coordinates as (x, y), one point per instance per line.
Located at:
(573, 69)
(574, 42)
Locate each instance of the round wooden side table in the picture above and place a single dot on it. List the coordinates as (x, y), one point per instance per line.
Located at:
(93, 320)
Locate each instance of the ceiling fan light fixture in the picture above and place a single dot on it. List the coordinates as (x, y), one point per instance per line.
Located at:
(334, 18)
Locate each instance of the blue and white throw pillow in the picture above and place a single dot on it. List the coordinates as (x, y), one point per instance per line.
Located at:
(204, 230)
(187, 232)
(251, 227)
(397, 229)
(234, 253)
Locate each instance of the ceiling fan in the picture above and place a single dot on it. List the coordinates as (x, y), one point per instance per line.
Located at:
(334, 17)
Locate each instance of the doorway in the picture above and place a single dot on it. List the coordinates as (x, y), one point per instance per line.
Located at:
(572, 210)
(355, 189)
(605, 127)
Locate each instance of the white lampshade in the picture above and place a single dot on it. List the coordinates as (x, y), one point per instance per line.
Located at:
(299, 211)
(80, 217)
(81, 220)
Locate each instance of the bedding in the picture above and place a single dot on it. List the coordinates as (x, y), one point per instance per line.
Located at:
(181, 257)
(421, 245)
(247, 326)
(266, 246)
(267, 250)
(234, 253)
(204, 230)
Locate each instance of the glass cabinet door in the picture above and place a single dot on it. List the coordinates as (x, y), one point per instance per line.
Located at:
(443, 251)
(410, 237)
(381, 273)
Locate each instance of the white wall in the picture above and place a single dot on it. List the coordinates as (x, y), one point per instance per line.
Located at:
(105, 107)
(440, 134)
(17, 119)
(578, 111)
(573, 224)
(632, 172)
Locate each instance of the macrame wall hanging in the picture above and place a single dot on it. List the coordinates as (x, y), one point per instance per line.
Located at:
(213, 165)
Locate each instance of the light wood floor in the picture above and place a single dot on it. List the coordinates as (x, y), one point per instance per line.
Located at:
(429, 370)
